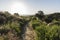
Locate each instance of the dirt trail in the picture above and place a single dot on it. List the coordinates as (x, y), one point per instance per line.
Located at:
(28, 32)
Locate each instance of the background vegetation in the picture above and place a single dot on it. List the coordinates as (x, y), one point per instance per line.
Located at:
(47, 27)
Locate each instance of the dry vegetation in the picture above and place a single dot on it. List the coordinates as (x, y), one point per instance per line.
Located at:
(38, 26)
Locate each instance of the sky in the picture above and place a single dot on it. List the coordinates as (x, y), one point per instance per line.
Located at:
(30, 7)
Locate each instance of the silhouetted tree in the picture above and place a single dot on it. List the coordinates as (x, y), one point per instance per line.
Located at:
(51, 17)
(16, 14)
(40, 15)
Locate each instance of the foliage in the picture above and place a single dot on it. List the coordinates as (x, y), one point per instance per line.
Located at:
(47, 27)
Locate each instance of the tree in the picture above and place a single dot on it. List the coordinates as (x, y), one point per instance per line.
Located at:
(40, 15)
(16, 14)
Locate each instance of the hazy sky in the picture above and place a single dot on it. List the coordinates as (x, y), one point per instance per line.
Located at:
(30, 6)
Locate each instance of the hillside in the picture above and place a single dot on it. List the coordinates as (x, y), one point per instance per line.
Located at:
(33, 27)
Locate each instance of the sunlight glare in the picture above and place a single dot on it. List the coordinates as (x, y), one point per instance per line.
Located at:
(18, 7)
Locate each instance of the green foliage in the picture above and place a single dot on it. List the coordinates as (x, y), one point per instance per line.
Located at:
(47, 32)
(47, 27)
(15, 26)
(44, 31)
